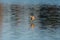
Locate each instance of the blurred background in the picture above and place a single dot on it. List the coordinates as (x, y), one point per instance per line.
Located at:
(19, 20)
